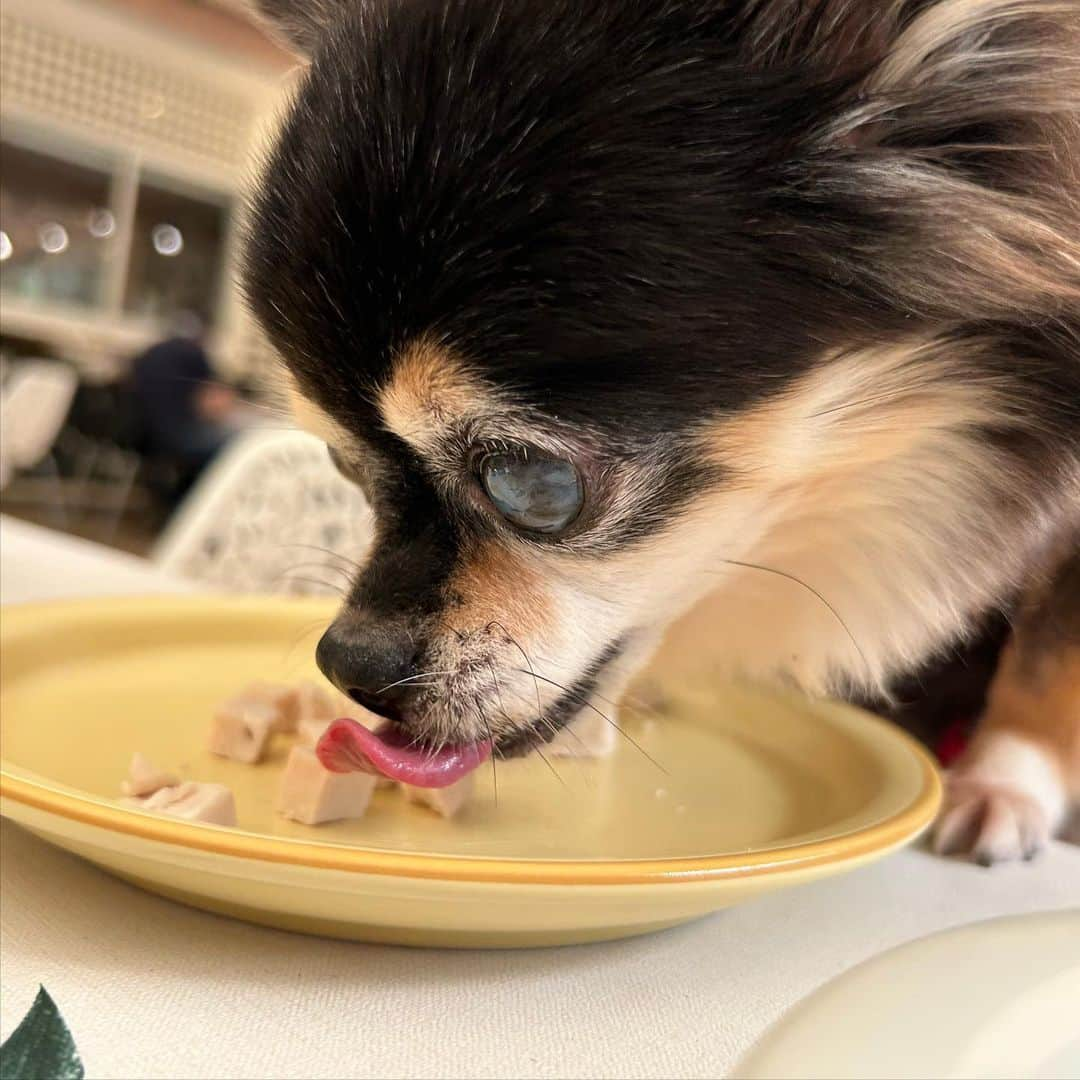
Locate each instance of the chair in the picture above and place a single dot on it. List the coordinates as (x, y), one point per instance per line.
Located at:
(36, 398)
(34, 403)
(102, 477)
(270, 514)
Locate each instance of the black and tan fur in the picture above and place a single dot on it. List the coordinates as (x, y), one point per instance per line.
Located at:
(796, 284)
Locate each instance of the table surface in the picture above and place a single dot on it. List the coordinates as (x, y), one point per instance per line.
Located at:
(40, 564)
(153, 989)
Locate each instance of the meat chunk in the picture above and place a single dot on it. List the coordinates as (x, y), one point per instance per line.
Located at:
(144, 778)
(241, 728)
(284, 700)
(192, 801)
(446, 801)
(311, 730)
(315, 710)
(311, 794)
(313, 702)
(589, 736)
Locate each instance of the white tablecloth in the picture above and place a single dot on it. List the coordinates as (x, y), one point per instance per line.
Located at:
(152, 989)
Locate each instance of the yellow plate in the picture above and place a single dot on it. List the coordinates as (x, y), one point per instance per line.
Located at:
(728, 796)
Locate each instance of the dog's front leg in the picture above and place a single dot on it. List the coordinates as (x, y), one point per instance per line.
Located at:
(1015, 785)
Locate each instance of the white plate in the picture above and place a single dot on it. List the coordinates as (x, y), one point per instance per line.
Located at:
(992, 1000)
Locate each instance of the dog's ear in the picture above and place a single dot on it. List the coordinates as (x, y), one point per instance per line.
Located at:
(298, 24)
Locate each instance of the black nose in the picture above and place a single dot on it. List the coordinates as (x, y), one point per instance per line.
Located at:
(367, 658)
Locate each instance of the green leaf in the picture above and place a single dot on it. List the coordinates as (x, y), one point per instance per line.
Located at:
(41, 1047)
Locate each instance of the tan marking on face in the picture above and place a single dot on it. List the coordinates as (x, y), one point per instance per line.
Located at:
(311, 418)
(498, 586)
(430, 391)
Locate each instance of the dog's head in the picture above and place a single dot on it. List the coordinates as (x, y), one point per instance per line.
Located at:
(591, 299)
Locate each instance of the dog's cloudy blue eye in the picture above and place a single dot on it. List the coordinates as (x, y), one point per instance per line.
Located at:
(533, 490)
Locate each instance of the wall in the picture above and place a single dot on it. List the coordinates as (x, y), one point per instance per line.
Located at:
(182, 90)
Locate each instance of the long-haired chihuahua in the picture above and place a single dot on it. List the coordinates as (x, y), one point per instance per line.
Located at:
(610, 305)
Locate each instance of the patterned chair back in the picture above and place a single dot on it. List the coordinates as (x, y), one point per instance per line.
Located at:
(270, 515)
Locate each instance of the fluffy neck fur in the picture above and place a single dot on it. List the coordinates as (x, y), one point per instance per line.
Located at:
(894, 483)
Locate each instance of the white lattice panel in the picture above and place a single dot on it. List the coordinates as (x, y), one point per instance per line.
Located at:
(132, 97)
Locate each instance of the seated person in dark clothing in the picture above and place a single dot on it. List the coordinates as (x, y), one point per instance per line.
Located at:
(188, 414)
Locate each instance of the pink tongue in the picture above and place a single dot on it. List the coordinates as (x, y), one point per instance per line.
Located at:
(347, 746)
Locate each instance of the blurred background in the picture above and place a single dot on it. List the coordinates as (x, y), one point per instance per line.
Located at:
(129, 132)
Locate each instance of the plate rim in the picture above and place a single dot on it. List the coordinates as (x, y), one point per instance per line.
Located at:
(786, 1041)
(902, 826)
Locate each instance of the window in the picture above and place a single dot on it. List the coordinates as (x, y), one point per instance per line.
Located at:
(57, 230)
(68, 234)
(177, 253)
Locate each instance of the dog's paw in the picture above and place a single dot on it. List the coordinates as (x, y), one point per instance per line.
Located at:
(990, 822)
(1004, 800)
